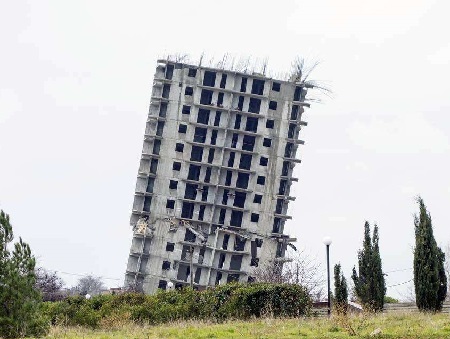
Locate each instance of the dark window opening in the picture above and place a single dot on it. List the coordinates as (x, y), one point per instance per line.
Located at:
(213, 137)
(248, 142)
(226, 238)
(186, 109)
(276, 86)
(176, 166)
(188, 91)
(190, 191)
(203, 116)
(283, 187)
(222, 213)
(196, 153)
(170, 204)
(221, 260)
(254, 105)
(163, 110)
(258, 242)
(206, 97)
(242, 180)
(239, 199)
(270, 123)
(225, 196)
(217, 118)
(231, 159)
(241, 103)
(237, 121)
(156, 146)
(254, 217)
(208, 174)
(289, 150)
(297, 93)
(220, 100)
(162, 284)
(189, 236)
(179, 147)
(170, 246)
(194, 172)
(273, 105)
(154, 166)
(244, 84)
(261, 180)
(173, 184)
(160, 128)
(251, 124)
(279, 206)
(150, 183)
(200, 134)
(276, 225)
(165, 265)
(285, 169)
(182, 128)
(209, 79)
(267, 142)
(294, 112)
(232, 278)
(211, 155)
(228, 178)
(205, 193)
(236, 262)
(187, 212)
(198, 273)
(291, 131)
(236, 218)
(234, 140)
(192, 72)
(280, 250)
(147, 203)
(253, 262)
(263, 161)
(223, 81)
(239, 243)
(258, 86)
(201, 212)
(183, 273)
(218, 278)
(246, 161)
(257, 198)
(169, 71)
(166, 91)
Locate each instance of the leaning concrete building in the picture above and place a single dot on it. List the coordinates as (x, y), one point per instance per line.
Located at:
(214, 176)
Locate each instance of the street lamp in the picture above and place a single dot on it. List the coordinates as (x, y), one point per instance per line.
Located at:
(327, 242)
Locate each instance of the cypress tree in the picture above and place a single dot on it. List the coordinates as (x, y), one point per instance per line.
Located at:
(430, 282)
(19, 300)
(340, 290)
(370, 286)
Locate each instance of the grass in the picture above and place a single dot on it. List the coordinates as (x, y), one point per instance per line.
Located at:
(399, 325)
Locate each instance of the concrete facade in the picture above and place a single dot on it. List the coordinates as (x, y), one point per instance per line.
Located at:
(214, 176)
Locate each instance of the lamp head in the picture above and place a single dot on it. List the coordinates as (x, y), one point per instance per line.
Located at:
(327, 241)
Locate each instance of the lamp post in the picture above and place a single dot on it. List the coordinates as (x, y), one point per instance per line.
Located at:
(327, 242)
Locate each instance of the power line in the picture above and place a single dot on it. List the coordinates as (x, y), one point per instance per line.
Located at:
(402, 283)
(399, 270)
(85, 275)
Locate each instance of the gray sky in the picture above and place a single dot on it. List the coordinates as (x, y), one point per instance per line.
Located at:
(75, 84)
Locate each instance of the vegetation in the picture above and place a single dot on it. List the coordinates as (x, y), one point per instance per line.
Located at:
(401, 325)
(232, 301)
(430, 281)
(49, 284)
(390, 300)
(88, 285)
(19, 300)
(340, 290)
(370, 286)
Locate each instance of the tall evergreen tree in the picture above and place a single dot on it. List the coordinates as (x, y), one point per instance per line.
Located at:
(19, 301)
(370, 286)
(430, 281)
(340, 290)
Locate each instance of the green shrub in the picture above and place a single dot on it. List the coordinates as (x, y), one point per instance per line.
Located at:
(213, 304)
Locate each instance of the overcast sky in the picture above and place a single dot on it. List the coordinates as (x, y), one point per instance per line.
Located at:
(75, 84)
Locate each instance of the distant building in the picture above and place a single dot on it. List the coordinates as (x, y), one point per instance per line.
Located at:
(214, 175)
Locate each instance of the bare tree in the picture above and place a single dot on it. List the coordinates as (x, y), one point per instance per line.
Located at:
(296, 268)
(89, 285)
(49, 284)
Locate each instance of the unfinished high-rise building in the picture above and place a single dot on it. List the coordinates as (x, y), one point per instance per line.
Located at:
(214, 177)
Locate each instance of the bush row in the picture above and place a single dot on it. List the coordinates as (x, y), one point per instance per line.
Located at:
(215, 304)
